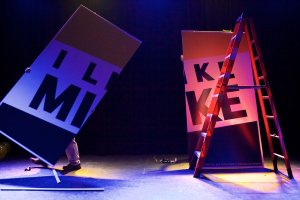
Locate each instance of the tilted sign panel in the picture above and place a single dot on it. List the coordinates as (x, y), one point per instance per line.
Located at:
(48, 106)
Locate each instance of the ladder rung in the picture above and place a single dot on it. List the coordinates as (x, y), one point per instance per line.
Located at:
(233, 37)
(270, 116)
(245, 86)
(256, 58)
(203, 134)
(215, 95)
(261, 78)
(265, 97)
(274, 136)
(209, 115)
(197, 153)
(225, 75)
(228, 56)
(278, 155)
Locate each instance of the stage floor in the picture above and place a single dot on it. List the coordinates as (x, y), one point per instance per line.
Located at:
(141, 178)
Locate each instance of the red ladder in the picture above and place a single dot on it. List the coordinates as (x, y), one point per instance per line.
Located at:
(264, 93)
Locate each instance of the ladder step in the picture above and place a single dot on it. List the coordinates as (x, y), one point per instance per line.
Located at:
(225, 75)
(245, 86)
(197, 153)
(209, 115)
(203, 134)
(274, 136)
(228, 56)
(270, 116)
(233, 37)
(265, 97)
(261, 78)
(278, 155)
(256, 58)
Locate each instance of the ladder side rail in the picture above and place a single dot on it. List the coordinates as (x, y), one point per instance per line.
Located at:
(271, 100)
(259, 92)
(205, 146)
(205, 136)
(219, 91)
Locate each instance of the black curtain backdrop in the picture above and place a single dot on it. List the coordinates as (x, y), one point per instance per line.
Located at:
(144, 112)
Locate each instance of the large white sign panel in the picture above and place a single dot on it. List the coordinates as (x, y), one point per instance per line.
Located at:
(236, 140)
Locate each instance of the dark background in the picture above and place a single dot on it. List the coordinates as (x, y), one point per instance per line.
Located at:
(144, 112)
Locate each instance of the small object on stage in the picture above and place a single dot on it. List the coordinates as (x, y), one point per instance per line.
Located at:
(27, 169)
(166, 160)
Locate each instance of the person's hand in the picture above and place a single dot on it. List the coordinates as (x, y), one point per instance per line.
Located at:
(27, 70)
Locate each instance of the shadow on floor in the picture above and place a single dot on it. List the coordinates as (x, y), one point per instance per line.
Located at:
(242, 170)
(66, 182)
(162, 171)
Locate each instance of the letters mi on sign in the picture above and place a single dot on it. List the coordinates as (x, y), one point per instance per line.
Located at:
(63, 87)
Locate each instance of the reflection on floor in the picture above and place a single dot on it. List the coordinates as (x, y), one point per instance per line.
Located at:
(144, 177)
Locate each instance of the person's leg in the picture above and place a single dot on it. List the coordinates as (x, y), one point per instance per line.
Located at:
(73, 153)
(72, 156)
